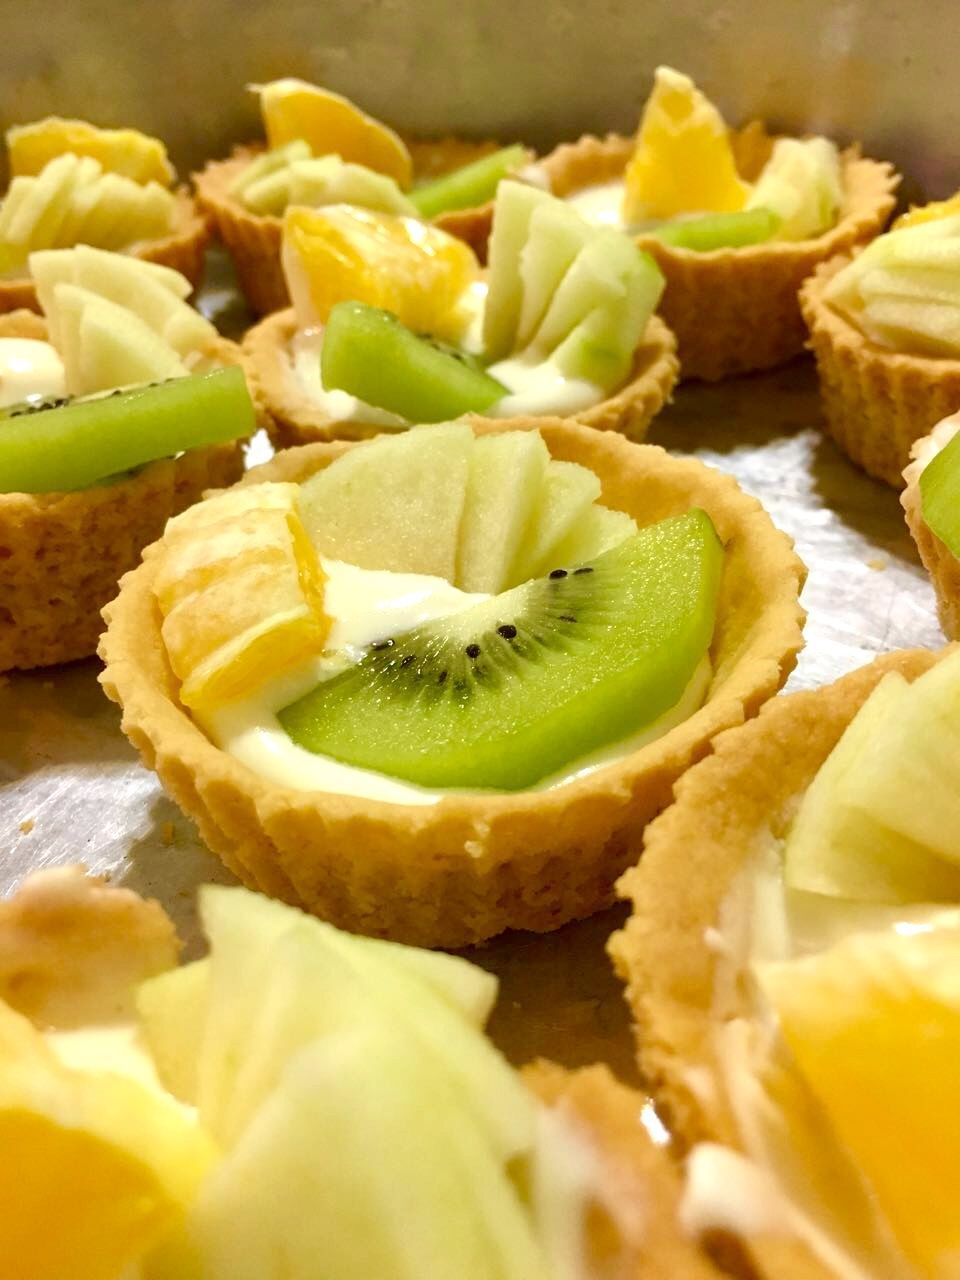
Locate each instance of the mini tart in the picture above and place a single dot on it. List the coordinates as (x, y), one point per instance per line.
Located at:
(253, 240)
(292, 418)
(183, 250)
(938, 560)
(470, 866)
(62, 554)
(876, 402)
(735, 310)
(728, 810)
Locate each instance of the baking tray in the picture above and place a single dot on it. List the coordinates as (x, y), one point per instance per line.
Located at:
(72, 788)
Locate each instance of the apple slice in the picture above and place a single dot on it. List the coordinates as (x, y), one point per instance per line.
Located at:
(513, 210)
(172, 1010)
(566, 494)
(800, 183)
(940, 495)
(268, 163)
(330, 180)
(556, 235)
(599, 529)
(596, 278)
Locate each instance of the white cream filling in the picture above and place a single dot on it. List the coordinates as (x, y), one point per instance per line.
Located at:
(369, 605)
(600, 203)
(540, 387)
(29, 369)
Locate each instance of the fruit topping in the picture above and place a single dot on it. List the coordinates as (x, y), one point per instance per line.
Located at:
(127, 152)
(473, 184)
(507, 691)
(801, 184)
(903, 289)
(879, 822)
(720, 230)
(368, 353)
(919, 213)
(683, 161)
(940, 494)
(291, 175)
(240, 588)
(66, 445)
(343, 254)
(294, 110)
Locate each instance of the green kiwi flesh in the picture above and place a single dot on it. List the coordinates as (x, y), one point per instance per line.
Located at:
(510, 690)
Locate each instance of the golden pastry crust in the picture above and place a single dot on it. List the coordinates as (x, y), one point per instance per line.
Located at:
(470, 867)
(62, 554)
(183, 250)
(253, 240)
(876, 402)
(938, 560)
(728, 809)
(736, 310)
(292, 418)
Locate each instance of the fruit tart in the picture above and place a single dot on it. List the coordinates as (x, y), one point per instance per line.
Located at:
(73, 183)
(118, 409)
(217, 1120)
(394, 323)
(432, 686)
(885, 331)
(792, 959)
(736, 221)
(321, 150)
(931, 501)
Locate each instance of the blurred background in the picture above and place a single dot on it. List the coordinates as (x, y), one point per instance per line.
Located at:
(880, 71)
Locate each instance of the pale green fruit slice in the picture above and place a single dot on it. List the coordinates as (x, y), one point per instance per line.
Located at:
(507, 473)
(393, 503)
(103, 207)
(267, 163)
(596, 278)
(330, 180)
(567, 492)
(172, 1010)
(36, 222)
(901, 282)
(846, 849)
(514, 207)
(556, 235)
(801, 182)
(270, 194)
(913, 324)
(599, 529)
(465, 986)
(17, 192)
(86, 179)
(940, 495)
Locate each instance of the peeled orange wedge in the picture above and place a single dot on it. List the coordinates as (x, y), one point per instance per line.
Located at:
(331, 125)
(124, 151)
(343, 254)
(96, 1167)
(873, 1025)
(683, 161)
(928, 212)
(241, 592)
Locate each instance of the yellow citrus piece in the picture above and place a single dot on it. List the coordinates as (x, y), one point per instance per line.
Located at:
(928, 212)
(241, 590)
(342, 254)
(96, 1167)
(124, 151)
(331, 125)
(683, 161)
(873, 1025)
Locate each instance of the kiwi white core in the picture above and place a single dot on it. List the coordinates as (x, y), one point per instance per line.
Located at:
(368, 605)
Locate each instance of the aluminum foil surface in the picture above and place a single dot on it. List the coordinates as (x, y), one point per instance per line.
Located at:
(72, 788)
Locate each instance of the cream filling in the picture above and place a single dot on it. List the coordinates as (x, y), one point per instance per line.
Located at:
(601, 203)
(29, 369)
(369, 605)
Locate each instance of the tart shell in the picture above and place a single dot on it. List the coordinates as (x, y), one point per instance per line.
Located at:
(292, 418)
(62, 554)
(183, 250)
(728, 809)
(253, 240)
(938, 560)
(735, 310)
(470, 866)
(876, 402)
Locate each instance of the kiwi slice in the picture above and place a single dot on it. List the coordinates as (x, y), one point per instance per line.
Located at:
(469, 186)
(720, 230)
(61, 445)
(370, 354)
(510, 690)
(940, 495)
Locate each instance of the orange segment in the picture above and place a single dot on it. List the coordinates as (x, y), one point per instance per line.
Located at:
(683, 161)
(331, 125)
(874, 1026)
(928, 212)
(124, 151)
(342, 254)
(241, 591)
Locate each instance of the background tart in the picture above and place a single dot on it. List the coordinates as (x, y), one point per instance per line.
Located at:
(292, 418)
(728, 810)
(470, 867)
(876, 402)
(736, 310)
(253, 240)
(183, 250)
(62, 554)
